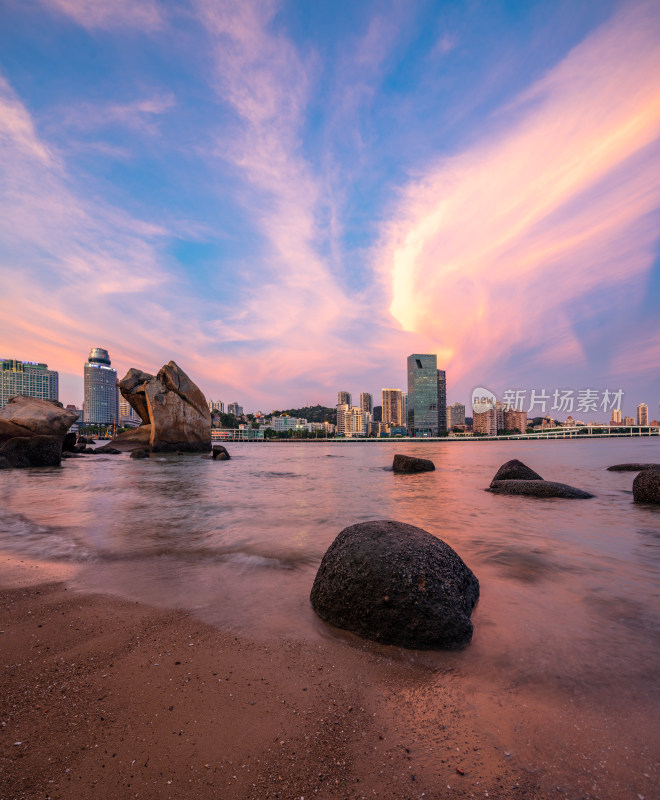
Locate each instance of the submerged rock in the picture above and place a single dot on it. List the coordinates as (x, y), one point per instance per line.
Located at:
(173, 409)
(538, 488)
(410, 464)
(515, 470)
(646, 486)
(108, 449)
(26, 417)
(140, 452)
(396, 584)
(35, 451)
(632, 467)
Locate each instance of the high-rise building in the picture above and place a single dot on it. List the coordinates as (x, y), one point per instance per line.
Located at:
(629, 420)
(27, 377)
(423, 384)
(101, 406)
(344, 398)
(393, 407)
(455, 415)
(378, 413)
(216, 405)
(616, 417)
(235, 409)
(342, 413)
(442, 400)
(356, 422)
(367, 402)
(642, 414)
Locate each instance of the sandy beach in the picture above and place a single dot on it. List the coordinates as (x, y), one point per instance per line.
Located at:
(113, 699)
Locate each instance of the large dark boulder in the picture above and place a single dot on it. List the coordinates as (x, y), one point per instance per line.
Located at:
(538, 489)
(632, 467)
(408, 465)
(396, 584)
(69, 443)
(26, 417)
(515, 470)
(36, 451)
(646, 486)
(4, 464)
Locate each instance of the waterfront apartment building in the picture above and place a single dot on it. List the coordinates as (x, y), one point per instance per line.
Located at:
(515, 420)
(425, 383)
(642, 414)
(235, 409)
(484, 416)
(616, 417)
(393, 407)
(30, 378)
(216, 405)
(629, 420)
(101, 406)
(352, 421)
(367, 403)
(344, 399)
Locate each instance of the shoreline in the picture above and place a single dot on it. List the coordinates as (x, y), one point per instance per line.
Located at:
(107, 697)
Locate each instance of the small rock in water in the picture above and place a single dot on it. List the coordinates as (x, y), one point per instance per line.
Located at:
(535, 488)
(632, 467)
(646, 486)
(515, 470)
(408, 465)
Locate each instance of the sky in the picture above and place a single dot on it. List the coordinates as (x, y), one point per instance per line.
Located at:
(289, 198)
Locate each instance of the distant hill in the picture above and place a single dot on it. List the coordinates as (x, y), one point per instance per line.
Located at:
(311, 413)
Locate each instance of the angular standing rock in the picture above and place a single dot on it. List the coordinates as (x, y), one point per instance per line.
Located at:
(409, 464)
(173, 409)
(535, 488)
(515, 470)
(646, 486)
(396, 584)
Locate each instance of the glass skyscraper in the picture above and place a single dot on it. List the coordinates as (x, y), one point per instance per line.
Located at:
(101, 392)
(27, 377)
(423, 401)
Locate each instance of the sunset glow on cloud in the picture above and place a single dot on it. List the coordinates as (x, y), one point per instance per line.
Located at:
(289, 201)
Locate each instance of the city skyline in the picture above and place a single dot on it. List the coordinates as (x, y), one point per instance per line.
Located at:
(287, 198)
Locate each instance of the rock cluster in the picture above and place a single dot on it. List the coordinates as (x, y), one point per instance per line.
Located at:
(514, 477)
(174, 412)
(408, 465)
(396, 584)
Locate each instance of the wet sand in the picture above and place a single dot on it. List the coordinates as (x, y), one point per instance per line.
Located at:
(105, 698)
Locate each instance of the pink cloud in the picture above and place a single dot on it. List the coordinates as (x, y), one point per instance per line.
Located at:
(485, 249)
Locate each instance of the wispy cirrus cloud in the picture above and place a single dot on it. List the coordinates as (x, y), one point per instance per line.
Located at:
(105, 14)
(489, 249)
(138, 115)
(266, 82)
